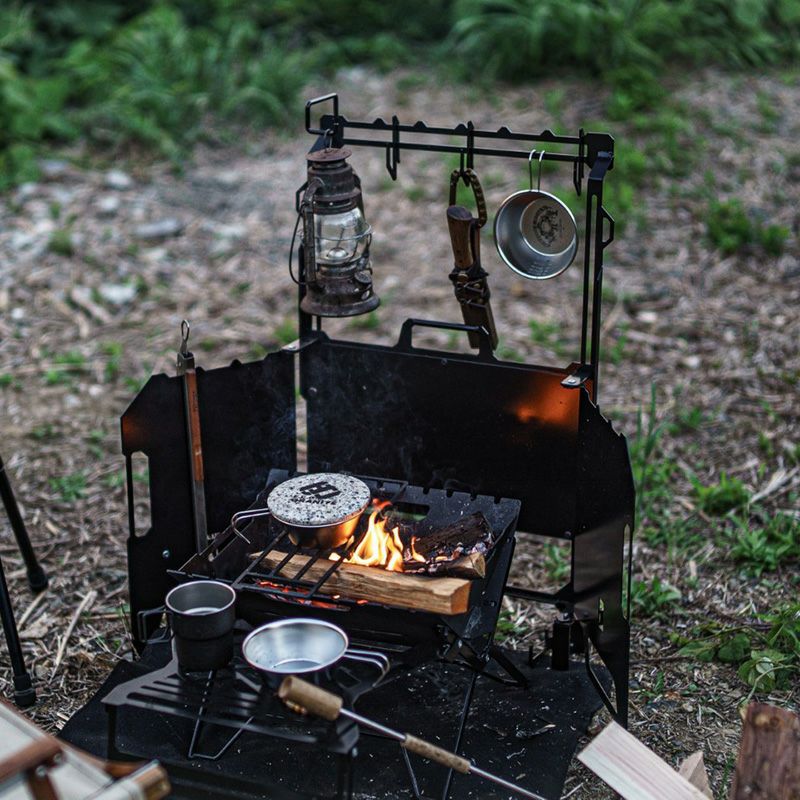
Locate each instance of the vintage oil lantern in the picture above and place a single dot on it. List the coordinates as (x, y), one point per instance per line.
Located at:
(336, 239)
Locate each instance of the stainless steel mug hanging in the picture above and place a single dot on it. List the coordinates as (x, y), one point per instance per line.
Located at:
(535, 233)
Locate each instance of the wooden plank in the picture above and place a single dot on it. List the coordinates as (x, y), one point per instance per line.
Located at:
(633, 770)
(768, 767)
(693, 768)
(446, 596)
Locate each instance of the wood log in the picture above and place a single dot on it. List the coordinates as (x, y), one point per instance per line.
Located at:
(632, 770)
(768, 767)
(446, 596)
(466, 533)
(693, 768)
(471, 566)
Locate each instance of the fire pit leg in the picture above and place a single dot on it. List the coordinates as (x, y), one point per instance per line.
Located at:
(24, 693)
(344, 777)
(37, 579)
(461, 726)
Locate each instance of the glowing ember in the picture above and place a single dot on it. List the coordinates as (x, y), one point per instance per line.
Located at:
(380, 547)
(303, 601)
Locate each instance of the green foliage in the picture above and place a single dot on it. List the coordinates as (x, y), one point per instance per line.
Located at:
(286, 332)
(113, 353)
(42, 433)
(142, 71)
(652, 474)
(730, 228)
(366, 322)
(70, 487)
(556, 561)
(766, 670)
(766, 660)
(765, 548)
(508, 627)
(154, 71)
(627, 42)
(720, 498)
(61, 243)
(654, 599)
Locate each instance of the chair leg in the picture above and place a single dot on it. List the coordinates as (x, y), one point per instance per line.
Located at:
(24, 693)
(37, 579)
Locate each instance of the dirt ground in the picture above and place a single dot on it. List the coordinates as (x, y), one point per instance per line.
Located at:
(91, 300)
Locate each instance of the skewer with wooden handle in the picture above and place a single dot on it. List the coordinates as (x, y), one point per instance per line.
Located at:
(186, 369)
(299, 693)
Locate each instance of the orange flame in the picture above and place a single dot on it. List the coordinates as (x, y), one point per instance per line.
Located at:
(379, 547)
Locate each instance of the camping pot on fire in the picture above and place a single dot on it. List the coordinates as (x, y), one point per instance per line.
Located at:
(319, 510)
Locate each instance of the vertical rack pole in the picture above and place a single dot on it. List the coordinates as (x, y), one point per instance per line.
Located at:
(595, 192)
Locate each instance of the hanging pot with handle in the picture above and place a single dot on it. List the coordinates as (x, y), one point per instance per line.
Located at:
(535, 233)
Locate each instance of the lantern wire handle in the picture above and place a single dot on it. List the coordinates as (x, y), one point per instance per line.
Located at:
(291, 249)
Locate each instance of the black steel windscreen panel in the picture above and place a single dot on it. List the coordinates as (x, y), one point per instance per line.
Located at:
(247, 415)
(447, 421)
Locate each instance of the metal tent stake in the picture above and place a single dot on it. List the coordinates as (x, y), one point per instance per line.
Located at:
(301, 695)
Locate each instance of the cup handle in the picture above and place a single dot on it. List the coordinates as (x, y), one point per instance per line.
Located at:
(378, 660)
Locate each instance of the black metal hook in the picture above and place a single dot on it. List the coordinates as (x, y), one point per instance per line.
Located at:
(315, 101)
(577, 166)
(393, 150)
(470, 145)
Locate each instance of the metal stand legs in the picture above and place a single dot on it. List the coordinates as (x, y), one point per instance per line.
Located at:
(37, 579)
(24, 693)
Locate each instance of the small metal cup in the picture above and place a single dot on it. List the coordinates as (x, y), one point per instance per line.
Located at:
(535, 234)
(202, 615)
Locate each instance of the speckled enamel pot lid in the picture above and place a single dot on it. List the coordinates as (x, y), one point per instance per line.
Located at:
(322, 498)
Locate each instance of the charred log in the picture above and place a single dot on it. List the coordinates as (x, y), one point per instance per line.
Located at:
(456, 549)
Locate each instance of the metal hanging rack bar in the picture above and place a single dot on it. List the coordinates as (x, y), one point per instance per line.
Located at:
(593, 150)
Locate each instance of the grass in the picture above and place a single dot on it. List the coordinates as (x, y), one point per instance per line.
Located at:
(731, 228)
(717, 499)
(654, 599)
(652, 474)
(61, 244)
(767, 655)
(154, 72)
(69, 487)
(113, 353)
(286, 332)
(764, 545)
(366, 322)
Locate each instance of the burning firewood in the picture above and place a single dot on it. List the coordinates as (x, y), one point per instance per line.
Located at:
(444, 596)
(456, 549)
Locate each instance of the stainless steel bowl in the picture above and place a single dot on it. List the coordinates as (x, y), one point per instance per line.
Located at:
(294, 646)
(535, 234)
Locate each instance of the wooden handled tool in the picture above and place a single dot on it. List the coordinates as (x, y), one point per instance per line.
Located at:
(186, 369)
(298, 693)
(468, 277)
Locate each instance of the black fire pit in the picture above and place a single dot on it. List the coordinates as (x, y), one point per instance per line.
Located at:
(439, 434)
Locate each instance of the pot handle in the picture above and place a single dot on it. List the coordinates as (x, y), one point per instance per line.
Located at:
(378, 660)
(250, 513)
